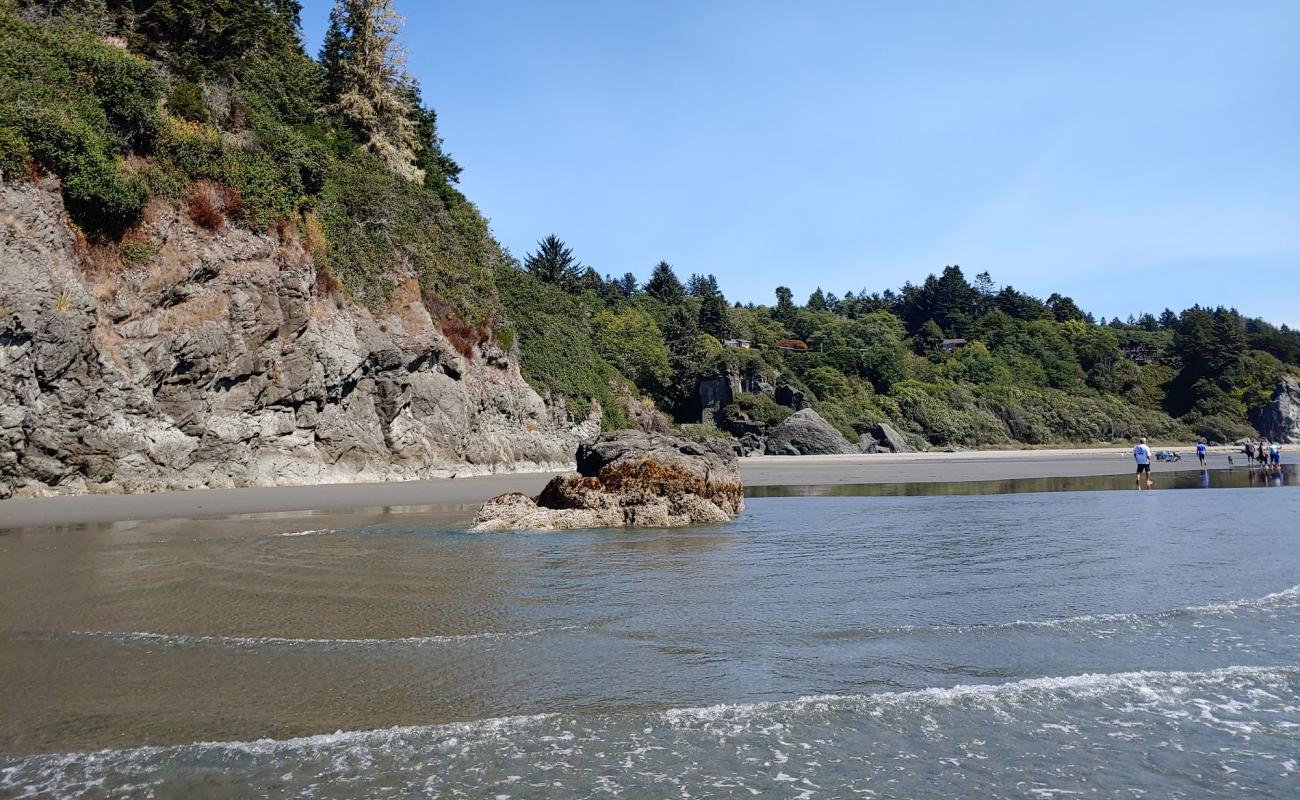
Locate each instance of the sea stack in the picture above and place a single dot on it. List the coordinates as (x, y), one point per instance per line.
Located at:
(628, 478)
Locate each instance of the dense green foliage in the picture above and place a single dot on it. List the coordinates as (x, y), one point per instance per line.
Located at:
(558, 354)
(948, 362)
(215, 104)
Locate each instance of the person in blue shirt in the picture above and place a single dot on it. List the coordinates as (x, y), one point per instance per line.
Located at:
(1142, 455)
(1200, 452)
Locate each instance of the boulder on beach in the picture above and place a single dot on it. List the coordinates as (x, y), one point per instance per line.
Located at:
(890, 439)
(628, 478)
(805, 433)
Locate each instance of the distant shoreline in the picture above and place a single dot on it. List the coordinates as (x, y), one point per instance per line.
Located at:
(971, 465)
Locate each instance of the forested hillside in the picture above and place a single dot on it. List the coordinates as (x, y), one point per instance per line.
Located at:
(948, 361)
(215, 108)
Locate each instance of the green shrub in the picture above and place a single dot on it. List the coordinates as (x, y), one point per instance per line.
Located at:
(75, 106)
(13, 153)
(185, 100)
(758, 407)
(630, 340)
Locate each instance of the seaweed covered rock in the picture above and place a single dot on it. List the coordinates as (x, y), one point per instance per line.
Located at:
(628, 478)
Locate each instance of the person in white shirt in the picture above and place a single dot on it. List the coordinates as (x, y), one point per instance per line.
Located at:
(1142, 454)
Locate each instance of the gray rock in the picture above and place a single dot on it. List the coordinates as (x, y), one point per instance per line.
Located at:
(805, 433)
(751, 444)
(890, 439)
(628, 478)
(219, 365)
(867, 444)
(1279, 421)
(714, 393)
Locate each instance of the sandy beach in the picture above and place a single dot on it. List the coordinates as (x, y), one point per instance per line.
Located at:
(463, 493)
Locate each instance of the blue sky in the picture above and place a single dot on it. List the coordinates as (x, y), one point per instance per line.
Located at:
(1131, 155)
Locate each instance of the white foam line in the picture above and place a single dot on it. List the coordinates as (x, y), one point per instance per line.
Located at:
(178, 640)
(1284, 598)
(1084, 684)
(315, 532)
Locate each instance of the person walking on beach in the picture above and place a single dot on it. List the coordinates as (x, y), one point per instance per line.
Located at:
(1250, 455)
(1261, 455)
(1142, 455)
(1275, 456)
(1200, 452)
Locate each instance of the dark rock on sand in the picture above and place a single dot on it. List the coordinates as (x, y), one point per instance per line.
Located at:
(629, 478)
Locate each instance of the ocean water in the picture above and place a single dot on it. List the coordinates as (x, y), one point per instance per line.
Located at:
(1030, 644)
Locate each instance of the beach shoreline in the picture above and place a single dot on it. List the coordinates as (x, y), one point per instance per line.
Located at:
(464, 493)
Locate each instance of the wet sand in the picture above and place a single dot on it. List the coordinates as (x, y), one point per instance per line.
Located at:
(466, 492)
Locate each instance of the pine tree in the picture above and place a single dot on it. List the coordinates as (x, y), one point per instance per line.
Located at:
(553, 262)
(663, 284)
(365, 74)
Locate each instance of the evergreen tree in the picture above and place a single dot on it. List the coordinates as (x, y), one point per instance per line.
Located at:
(1064, 308)
(627, 285)
(663, 284)
(368, 85)
(784, 302)
(554, 262)
(817, 300)
(714, 319)
(687, 358)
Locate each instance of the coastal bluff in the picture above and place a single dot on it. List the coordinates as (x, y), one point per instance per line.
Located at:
(223, 361)
(628, 479)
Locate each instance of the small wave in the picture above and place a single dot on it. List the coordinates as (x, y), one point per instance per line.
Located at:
(185, 640)
(1076, 686)
(1287, 598)
(1085, 685)
(313, 532)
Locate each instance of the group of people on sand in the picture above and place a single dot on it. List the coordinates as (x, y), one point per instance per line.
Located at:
(1267, 454)
(1264, 454)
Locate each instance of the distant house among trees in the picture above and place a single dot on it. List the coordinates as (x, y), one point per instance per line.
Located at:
(953, 344)
(743, 344)
(1142, 355)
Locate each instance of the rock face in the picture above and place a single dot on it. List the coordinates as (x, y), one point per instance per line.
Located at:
(628, 478)
(1279, 421)
(805, 433)
(790, 397)
(217, 361)
(889, 439)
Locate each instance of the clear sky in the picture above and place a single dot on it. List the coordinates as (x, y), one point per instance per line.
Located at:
(1131, 155)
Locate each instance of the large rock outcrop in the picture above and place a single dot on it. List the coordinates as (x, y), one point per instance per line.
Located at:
(889, 439)
(628, 478)
(805, 433)
(216, 360)
(1279, 421)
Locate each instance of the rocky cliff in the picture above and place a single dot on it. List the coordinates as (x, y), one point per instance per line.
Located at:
(1279, 421)
(213, 358)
